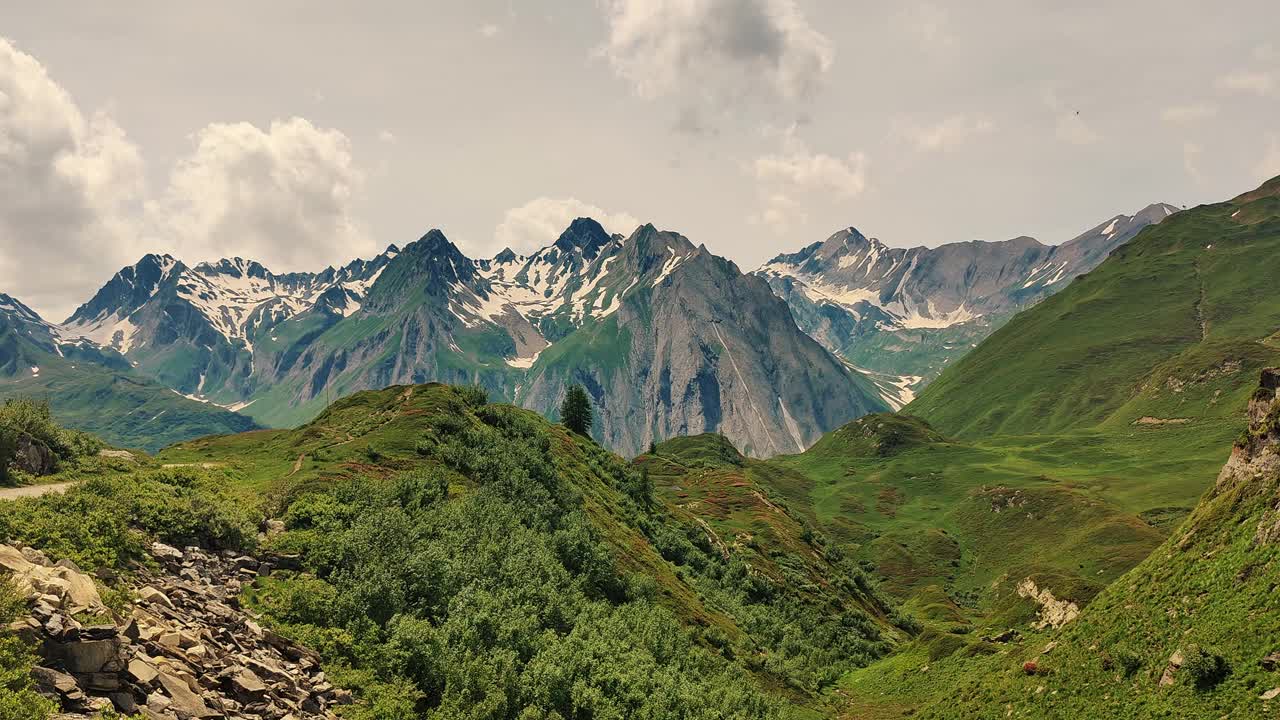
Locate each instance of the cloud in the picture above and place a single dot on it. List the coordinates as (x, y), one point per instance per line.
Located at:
(69, 189)
(949, 133)
(1191, 153)
(799, 169)
(1188, 114)
(711, 52)
(489, 31)
(281, 196)
(796, 171)
(539, 222)
(386, 136)
(780, 213)
(1248, 81)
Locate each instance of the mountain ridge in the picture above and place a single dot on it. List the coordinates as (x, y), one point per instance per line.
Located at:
(909, 311)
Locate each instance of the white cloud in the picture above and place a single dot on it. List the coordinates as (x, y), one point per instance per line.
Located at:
(1269, 165)
(799, 169)
(780, 213)
(489, 30)
(796, 171)
(281, 196)
(69, 189)
(1188, 114)
(539, 222)
(386, 136)
(1191, 153)
(712, 52)
(1248, 81)
(948, 133)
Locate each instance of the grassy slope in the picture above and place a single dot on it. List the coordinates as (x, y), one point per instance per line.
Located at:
(1099, 413)
(1170, 326)
(121, 407)
(1065, 415)
(377, 433)
(1209, 586)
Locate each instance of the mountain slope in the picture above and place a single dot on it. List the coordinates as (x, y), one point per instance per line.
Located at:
(96, 390)
(558, 533)
(1188, 633)
(911, 311)
(693, 346)
(1164, 330)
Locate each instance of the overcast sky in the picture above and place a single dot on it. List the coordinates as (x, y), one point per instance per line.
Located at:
(306, 133)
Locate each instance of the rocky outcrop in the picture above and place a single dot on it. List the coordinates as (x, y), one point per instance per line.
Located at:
(34, 457)
(184, 649)
(1054, 612)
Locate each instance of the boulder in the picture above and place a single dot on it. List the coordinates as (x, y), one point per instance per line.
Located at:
(34, 457)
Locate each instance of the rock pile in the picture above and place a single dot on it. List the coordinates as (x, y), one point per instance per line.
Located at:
(184, 650)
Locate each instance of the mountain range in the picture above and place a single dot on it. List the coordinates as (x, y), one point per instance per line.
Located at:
(667, 338)
(903, 314)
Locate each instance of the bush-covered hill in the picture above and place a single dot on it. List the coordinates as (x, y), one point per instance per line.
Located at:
(472, 560)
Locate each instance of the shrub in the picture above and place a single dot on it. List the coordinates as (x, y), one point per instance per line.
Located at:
(1205, 668)
(473, 395)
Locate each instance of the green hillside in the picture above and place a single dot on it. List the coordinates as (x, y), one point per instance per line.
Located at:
(1190, 632)
(1167, 329)
(564, 541)
(89, 391)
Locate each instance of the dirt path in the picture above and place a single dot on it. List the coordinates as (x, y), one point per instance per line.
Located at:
(33, 490)
(297, 464)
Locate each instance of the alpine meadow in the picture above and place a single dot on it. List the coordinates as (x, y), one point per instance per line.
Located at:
(475, 361)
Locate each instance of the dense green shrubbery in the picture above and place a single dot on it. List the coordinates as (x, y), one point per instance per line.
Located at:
(496, 601)
(19, 417)
(107, 521)
(17, 700)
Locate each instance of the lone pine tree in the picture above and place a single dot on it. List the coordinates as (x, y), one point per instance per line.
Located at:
(575, 411)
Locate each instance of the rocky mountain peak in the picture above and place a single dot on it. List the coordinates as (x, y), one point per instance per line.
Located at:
(583, 235)
(14, 308)
(236, 267)
(129, 288)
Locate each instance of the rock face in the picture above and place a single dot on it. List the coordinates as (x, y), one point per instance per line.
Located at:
(703, 348)
(907, 312)
(184, 650)
(1257, 455)
(1054, 612)
(34, 457)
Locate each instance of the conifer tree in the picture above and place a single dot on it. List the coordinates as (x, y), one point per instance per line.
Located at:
(575, 411)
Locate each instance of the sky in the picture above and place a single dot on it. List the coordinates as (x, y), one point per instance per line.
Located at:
(304, 134)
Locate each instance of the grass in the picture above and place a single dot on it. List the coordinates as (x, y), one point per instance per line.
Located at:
(1170, 323)
(116, 404)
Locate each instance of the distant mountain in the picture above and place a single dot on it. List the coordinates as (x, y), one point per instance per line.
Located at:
(683, 340)
(908, 312)
(194, 329)
(1165, 330)
(96, 389)
(668, 338)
